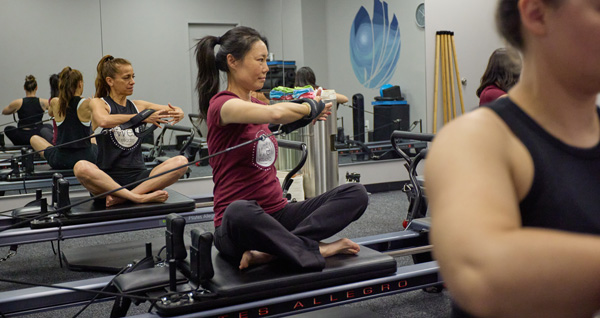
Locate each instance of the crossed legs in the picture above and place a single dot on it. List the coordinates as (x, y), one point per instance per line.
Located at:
(250, 236)
(97, 181)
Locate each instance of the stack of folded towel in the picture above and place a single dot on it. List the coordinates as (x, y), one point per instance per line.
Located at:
(281, 93)
(304, 92)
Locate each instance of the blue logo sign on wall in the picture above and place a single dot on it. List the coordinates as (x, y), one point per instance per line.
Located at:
(374, 45)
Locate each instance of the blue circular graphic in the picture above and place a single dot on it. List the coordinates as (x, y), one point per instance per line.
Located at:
(374, 45)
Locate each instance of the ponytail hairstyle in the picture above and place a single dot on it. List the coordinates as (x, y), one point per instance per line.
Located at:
(107, 67)
(53, 85)
(508, 21)
(237, 42)
(30, 83)
(67, 85)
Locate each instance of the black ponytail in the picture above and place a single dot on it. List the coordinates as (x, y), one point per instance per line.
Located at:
(67, 86)
(207, 83)
(237, 42)
(53, 85)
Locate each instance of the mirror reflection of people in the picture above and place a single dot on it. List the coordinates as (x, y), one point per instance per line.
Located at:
(306, 76)
(73, 116)
(30, 111)
(253, 222)
(513, 186)
(501, 74)
(120, 160)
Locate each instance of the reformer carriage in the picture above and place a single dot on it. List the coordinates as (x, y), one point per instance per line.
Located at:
(271, 289)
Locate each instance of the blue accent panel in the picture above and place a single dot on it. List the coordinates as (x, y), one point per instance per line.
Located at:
(361, 45)
(374, 45)
(389, 102)
(281, 63)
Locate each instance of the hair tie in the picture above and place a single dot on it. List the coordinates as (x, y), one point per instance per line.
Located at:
(218, 40)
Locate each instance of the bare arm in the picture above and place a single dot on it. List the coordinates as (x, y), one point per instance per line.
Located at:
(237, 111)
(101, 116)
(84, 112)
(176, 113)
(12, 107)
(341, 98)
(53, 108)
(44, 103)
(492, 265)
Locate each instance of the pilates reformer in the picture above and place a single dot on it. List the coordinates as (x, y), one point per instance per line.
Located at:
(247, 294)
(16, 236)
(42, 214)
(90, 211)
(30, 174)
(415, 189)
(27, 168)
(266, 290)
(156, 153)
(89, 219)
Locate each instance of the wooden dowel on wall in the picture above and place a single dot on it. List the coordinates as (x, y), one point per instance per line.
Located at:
(436, 81)
(446, 65)
(458, 80)
(453, 97)
(444, 80)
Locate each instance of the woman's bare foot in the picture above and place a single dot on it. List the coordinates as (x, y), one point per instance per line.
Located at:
(254, 258)
(157, 196)
(341, 246)
(114, 200)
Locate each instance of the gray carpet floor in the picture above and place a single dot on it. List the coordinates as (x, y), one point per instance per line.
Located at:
(37, 263)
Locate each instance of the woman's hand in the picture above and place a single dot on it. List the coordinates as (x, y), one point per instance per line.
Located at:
(326, 111)
(324, 114)
(157, 118)
(176, 113)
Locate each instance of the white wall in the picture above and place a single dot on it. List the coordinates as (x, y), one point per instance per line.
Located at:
(326, 40)
(475, 37)
(272, 26)
(316, 50)
(153, 35)
(41, 37)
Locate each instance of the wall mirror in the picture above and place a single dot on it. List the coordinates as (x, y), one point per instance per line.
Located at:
(158, 36)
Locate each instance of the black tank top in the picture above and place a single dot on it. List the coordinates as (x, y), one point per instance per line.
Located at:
(119, 149)
(71, 128)
(30, 113)
(566, 181)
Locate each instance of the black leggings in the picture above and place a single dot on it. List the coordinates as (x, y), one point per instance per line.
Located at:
(294, 232)
(21, 137)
